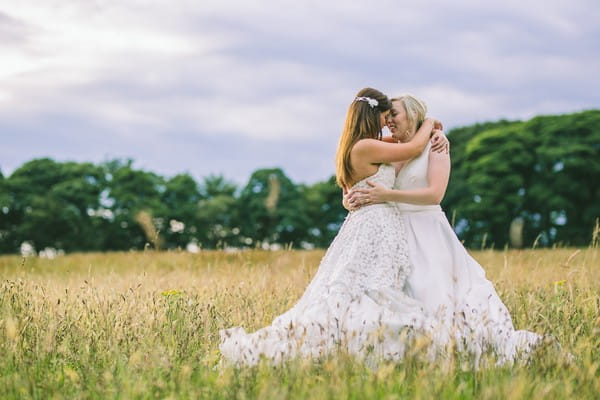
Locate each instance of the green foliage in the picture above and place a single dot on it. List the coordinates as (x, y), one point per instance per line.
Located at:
(565, 187)
(496, 178)
(5, 224)
(544, 172)
(217, 213)
(48, 204)
(270, 209)
(180, 201)
(324, 211)
(128, 192)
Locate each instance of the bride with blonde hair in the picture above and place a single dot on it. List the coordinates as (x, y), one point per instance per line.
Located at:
(444, 278)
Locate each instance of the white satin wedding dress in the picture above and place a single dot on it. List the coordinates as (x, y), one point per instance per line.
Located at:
(450, 284)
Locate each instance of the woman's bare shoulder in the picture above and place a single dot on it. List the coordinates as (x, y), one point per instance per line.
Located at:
(365, 145)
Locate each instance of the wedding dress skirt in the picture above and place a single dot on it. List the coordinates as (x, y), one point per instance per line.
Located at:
(450, 284)
(452, 287)
(395, 272)
(355, 302)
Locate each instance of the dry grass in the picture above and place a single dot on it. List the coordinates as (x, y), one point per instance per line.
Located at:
(145, 325)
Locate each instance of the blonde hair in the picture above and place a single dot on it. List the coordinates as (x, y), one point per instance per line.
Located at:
(416, 110)
(362, 122)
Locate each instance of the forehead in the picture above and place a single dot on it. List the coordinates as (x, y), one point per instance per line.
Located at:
(397, 106)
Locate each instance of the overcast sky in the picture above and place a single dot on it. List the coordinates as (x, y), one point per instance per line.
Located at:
(227, 87)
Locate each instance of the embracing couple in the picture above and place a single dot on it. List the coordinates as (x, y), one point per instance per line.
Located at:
(395, 271)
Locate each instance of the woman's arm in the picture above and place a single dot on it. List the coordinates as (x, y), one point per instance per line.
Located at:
(438, 174)
(378, 152)
(439, 141)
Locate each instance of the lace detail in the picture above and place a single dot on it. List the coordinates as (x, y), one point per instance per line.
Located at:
(367, 300)
(385, 175)
(355, 301)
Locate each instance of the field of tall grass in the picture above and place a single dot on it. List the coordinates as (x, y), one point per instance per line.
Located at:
(145, 325)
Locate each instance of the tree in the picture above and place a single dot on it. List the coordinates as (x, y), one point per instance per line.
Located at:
(498, 170)
(542, 171)
(564, 193)
(50, 205)
(217, 214)
(6, 226)
(181, 202)
(324, 211)
(129, 195)
(459, 194)
(271, 210)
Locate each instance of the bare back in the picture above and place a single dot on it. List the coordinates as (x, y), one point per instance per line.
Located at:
(361, 166)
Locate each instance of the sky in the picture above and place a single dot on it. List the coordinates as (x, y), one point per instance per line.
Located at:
(227, 87)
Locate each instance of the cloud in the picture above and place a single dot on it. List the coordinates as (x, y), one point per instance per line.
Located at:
(267, 74)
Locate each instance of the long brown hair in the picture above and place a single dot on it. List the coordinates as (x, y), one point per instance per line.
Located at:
(362, 122)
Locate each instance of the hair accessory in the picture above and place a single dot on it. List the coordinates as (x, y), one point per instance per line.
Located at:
(372, 102)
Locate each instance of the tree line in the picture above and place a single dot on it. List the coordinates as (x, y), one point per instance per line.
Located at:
(512, 182)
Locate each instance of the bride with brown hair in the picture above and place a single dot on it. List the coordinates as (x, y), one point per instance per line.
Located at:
(355, 302)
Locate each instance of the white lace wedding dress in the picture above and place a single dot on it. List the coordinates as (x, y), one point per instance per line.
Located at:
(449, 283)
(355, 302)
(394, 272)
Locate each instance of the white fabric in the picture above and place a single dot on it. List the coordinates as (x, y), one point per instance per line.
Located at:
(393, 271)
(449, 283)
(355, 301)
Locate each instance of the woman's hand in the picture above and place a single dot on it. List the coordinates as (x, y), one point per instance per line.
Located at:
(439, 142)
(360, 197)
(437, 124)
(345, 202)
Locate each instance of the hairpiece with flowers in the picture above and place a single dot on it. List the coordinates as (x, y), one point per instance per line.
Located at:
(372, 102)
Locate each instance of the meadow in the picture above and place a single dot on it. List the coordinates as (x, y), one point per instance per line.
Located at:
(145, 325)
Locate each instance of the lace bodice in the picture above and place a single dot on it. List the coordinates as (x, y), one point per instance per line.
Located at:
(385, 175)
(356, 297)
